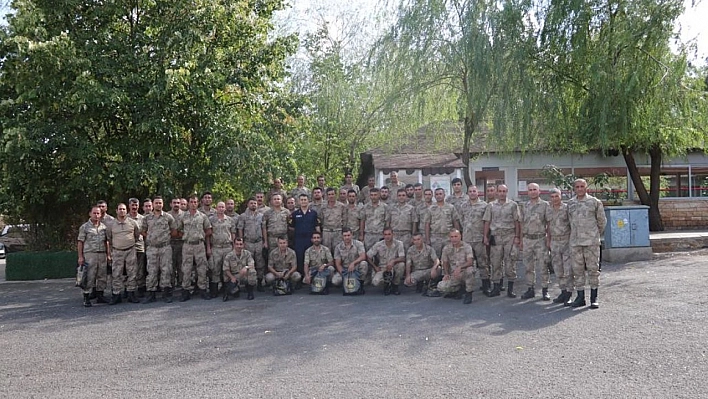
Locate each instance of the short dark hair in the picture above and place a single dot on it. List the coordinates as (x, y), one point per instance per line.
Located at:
(456, 180)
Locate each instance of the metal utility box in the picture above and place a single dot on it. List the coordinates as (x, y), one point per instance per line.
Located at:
(627, 226)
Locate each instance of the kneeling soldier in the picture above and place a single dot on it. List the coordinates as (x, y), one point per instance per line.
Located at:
(319, 260)
(458, 262)
(239, 266)
(282, 264)
(422, 265)
(389, 268)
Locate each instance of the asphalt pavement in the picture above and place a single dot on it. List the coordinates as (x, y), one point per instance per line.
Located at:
(647, 340)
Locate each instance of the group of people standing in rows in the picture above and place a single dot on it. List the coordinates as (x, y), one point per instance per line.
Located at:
(418, 237)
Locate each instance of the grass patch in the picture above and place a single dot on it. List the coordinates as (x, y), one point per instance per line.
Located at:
(22, 266)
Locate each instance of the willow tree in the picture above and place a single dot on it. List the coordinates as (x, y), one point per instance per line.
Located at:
(464, 60)
(614, 84)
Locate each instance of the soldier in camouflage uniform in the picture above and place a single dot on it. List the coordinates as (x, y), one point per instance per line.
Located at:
(196, 232)
(275, 222)
(140, 258)
(441, 219)
(282, 263)
(458, 268)
(206, 208)
(385, 196)
(231, 209)
(374, 217)
(342, 198)
(535, 242)
(349, 184)
(250, 228)
(276, 189)
(94, 250)
(319, 260)
(122, 232)
(404, 219)
(422, 265)
(365, 192)
(353, 213)
(388, 256)
(394, 184)
(176, 244)
(239, 267)
(333, 216)
(317, 200)
(261, 206)
(471, 216)
(559, 234)
(502, 232)
(157, 228)
(587, 225)
(458, 196)
(422, 210)
(349, 257)
(299, 189)
(222, 243)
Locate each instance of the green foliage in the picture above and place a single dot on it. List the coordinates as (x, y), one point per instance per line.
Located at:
(107, 100)
(40, 265)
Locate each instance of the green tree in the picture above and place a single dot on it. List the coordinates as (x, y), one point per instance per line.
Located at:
(120, 98)
(614, 84)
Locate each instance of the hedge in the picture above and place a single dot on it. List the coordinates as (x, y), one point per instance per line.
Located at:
(40, 265)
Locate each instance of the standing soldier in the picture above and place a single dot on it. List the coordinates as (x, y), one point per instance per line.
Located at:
(404, 219)
(239, 267)
(422, 265)
(333, 216)
(94, 249)
(176, 243)
(410, 192)
(394, 183)
(157, 228)
(321, 183)
(348, 183)
(123, 233)
(261, 205)
(207, 200)
(534, 243)
(290, 204)
(388, 259)
(303, 222)
(319, 260)
(374, 217)
(442, 218)
(317, 200)
(559, 234)
(587, 225)
(417, 198)
(222, 243)
(342, 198)
(183, 204)
(502, 232)
(147, 206)
(250, 229)
(457, 197)
(350, 257)
(353, 213)
(458, 267)
(491, 193)
(276, 189)
(196, 232)
(282, 263)
(231, 209)
(300, 189)
(140, 258)
(384, 196)
(422, 209)
(365, 192)
(471, 215)
(275, 222)
(105, 217)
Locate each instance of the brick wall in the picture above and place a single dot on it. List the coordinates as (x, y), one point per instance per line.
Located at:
(684, 214)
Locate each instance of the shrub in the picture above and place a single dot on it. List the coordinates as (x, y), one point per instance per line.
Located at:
(40, 265)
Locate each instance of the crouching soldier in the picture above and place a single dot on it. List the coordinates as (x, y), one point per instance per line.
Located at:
(387, 257)
(458, 267)
(239, 267)
(282, 264)
(350, 260)
(422, 266)
(318, 261)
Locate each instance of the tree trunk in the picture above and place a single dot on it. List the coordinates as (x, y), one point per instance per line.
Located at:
(469, 129)
(650, 198)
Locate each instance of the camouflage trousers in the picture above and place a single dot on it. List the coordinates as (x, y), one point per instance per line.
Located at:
(331, 238)
(216, 262)
(159, 266)
(562, 264)
(371, 238)
(502, 257)
(247, 276)
(96, 273)
(405, 237)
(294, 278)
(423, 275)
(191, 254)
(141, 272)
(454, 284)
(586, 258)
(438, 242)
(124, 260)
(481, 259)
(362, 268)
(256, 248)
(535, 259)
(176, 246)
(399, 272)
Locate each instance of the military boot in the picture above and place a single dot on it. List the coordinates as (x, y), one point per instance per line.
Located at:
(100, 298)
(185, 296)
(510, 290)
(115, 299)
(132, 298)
(467, 298)
(149, 297)
(501, 284)
(125, 293)
(530, 293)
(544, 294)
(496, 290)
(486, 286)
(92, 295)
(579, 300)
(213, 290)
(259, 287)
(325, 291)
(561, 297)
(167, 295)
(205, 295)
(249, 290)
(419, 287)
(394, 289)
(594, 304)
(141, 292)
(87, 301)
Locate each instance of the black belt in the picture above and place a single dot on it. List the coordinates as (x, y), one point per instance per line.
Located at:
(253, 242)
(124, 249)
(164, 244)
(331, 230)
(195, 242)
(534, 236)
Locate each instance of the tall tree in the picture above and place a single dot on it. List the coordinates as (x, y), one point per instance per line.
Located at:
(124, 97)
(614, 84)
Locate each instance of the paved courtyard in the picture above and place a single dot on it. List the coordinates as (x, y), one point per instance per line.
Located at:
(647, 340)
